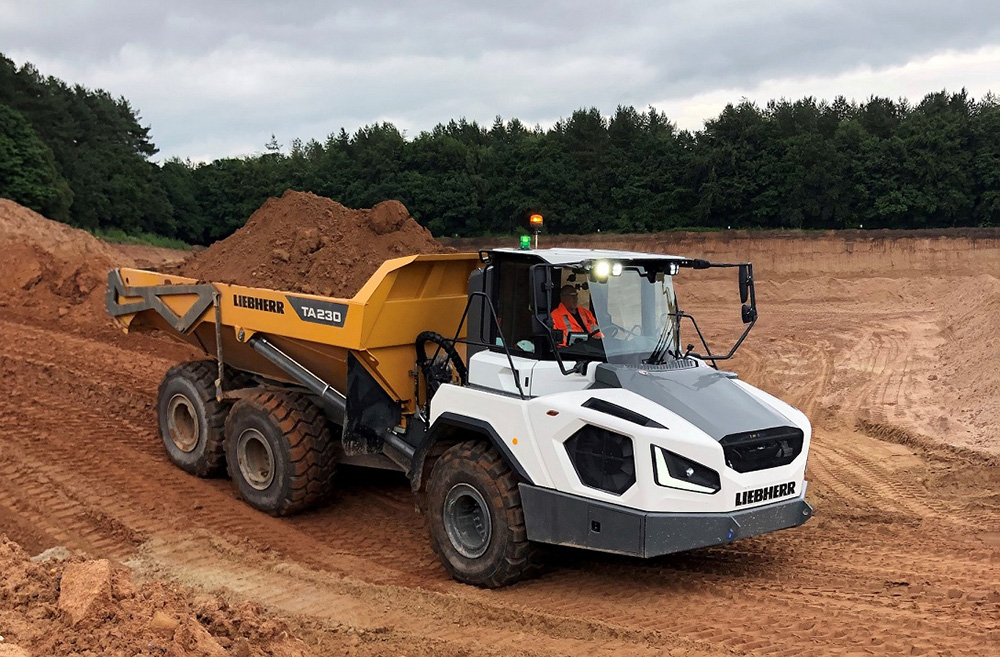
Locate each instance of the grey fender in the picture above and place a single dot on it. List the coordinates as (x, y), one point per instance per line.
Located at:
(452, 428)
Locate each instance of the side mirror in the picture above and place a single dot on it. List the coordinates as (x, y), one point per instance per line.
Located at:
(749, 314)
(744, 283)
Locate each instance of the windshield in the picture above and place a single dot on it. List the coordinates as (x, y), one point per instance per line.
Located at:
(634, 311)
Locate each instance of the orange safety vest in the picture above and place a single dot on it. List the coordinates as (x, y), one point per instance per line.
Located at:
(563, 320)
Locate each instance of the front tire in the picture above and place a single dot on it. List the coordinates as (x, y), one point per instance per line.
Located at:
(476, 520)
(279, 452)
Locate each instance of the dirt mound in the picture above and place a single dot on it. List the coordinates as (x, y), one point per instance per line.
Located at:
(307, 243)
(93, 607)
(19, 224)
(51, 270)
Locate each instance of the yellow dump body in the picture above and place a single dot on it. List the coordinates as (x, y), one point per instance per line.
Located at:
(379, 325)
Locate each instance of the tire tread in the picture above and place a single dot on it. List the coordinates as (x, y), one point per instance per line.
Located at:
(523, 558)
(310, 447)
(202, 373)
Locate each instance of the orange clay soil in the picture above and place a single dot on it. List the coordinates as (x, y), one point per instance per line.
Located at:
(78, 606)
(307, 243)
(890, 351)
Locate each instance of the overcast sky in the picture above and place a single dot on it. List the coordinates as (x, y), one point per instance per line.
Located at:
(217, 77)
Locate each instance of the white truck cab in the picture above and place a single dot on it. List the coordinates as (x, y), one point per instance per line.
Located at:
(620, 439)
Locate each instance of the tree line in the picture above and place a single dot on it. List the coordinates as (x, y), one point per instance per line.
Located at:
(83, 156)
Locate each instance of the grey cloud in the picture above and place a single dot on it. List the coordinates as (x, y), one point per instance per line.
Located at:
(744, 46)
(212, 77)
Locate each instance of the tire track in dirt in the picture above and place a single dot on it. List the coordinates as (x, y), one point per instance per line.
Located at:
(159, 495)
(451, 619)
(764, 606)
(895, 488)
(64, 516)
(89, 445)
(314, 527)
(825, 473)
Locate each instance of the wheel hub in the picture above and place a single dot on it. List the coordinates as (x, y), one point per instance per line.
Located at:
(256, 460)
(182, 423)
(467, 520)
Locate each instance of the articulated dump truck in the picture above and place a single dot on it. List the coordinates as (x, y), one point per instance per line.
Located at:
(531, 397)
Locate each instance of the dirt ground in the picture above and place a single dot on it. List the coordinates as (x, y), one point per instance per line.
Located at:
(890, 348)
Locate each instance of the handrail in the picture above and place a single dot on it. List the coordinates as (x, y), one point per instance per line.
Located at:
(496, 323)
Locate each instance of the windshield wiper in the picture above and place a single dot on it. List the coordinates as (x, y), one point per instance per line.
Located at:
(661, 344)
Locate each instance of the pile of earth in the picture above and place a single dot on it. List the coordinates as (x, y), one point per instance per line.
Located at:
(92, 607)
(302, 242)
(49, 270)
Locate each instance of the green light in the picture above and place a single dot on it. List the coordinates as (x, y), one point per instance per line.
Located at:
(525, 241)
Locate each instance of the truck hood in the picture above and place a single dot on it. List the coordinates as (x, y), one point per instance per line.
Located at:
(706, 398)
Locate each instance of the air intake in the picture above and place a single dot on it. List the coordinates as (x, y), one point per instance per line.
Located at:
(617, 411)
(603, 459)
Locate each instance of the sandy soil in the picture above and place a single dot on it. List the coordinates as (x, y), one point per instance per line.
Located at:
(903, 556)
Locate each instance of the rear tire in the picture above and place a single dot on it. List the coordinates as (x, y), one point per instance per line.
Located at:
(476, 519)
(190, 419)
(279, 452)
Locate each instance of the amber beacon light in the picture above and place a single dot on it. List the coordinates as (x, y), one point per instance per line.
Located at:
(536, 225)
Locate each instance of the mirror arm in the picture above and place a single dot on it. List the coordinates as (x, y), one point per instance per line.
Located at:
(732, 351)
(708, 350)
(705, 264)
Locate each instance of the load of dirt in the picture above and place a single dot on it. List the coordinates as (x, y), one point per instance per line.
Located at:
(306, 243)
(85, 607)
(50, 270)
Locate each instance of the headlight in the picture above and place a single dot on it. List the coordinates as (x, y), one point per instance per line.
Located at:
(674, 471)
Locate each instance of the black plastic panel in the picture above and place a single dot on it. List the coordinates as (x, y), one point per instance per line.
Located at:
(562, 519)
(603, 459)
(759, 450)
(621, 412)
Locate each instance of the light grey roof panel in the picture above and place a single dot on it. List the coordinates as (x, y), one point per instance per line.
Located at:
(569, 256)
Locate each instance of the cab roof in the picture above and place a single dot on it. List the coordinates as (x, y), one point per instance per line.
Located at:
(561, 257)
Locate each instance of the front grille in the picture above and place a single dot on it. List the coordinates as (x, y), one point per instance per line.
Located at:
(670, 364)
(759, 450)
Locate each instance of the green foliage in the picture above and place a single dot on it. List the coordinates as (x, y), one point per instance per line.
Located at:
(99, 148)
(119, 236)
(791, 164)
(802, 164)
(27, 168)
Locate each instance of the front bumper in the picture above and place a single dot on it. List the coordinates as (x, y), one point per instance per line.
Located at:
(562, 519)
